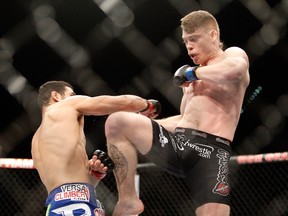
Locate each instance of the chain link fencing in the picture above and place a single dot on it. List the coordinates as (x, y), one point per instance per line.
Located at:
(258, 187)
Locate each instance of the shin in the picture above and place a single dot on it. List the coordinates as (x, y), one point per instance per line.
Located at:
(124, 155)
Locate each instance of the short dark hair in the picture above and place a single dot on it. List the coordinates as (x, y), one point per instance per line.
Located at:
(44, 94)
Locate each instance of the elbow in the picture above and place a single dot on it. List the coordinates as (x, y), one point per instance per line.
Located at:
(237, 67)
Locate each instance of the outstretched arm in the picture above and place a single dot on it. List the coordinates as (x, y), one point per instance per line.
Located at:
(106, 104)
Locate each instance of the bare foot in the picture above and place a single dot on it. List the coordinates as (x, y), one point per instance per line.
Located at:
(128, 208)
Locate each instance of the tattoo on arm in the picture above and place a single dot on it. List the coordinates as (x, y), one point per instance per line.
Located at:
(121, 164)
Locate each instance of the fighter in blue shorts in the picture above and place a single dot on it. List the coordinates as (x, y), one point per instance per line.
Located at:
(78, 198)
(58, 146)
(74, 199)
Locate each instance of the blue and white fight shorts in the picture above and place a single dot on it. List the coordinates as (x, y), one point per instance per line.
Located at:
(74, 199)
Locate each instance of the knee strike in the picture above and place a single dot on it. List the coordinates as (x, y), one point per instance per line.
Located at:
(113, 124)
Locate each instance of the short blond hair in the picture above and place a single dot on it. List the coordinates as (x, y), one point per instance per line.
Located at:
(199, 19)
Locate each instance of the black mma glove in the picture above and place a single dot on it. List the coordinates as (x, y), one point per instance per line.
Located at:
(106, 160)
(153, 104)
(186, 73)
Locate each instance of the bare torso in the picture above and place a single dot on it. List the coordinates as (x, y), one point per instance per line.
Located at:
(58, 147)
(213, 108)
(205, 108)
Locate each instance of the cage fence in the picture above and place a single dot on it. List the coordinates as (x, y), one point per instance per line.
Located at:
(258, 187)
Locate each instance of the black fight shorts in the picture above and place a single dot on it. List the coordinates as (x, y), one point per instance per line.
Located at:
(200, 158)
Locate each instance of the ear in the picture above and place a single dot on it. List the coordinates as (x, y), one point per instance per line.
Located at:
(55, 96)
(214, 34)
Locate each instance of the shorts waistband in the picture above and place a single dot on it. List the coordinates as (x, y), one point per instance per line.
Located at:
(203, 135)
(72, 191)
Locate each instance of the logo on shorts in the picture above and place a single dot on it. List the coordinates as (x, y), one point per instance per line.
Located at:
(204, 151)
(226, 142)
(99, 211)
(73, 192)
(222, 189)
(222, 186)
(197, 133)
(162, 139)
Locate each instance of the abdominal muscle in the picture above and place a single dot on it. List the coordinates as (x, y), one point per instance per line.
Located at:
(210, 113)
(206, 122)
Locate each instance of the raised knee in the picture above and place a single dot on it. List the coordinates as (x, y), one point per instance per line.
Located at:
(113, 124)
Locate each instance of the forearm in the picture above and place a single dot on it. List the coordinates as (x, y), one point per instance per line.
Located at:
(132, 103)
(229, 70)
(232, 68)
(105, 104)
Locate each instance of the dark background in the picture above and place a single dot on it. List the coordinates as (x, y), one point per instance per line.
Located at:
(134, 47)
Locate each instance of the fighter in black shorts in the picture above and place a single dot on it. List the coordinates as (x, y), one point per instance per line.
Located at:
(213, 90)
(187, 153)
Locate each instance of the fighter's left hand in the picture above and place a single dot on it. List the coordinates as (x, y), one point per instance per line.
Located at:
(100, 164)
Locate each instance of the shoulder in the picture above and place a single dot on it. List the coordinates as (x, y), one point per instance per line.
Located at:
(74, 100)
(236, 52)
(69, 104)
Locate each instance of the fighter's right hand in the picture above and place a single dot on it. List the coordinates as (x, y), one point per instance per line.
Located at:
(186, 73)
(153, 109)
